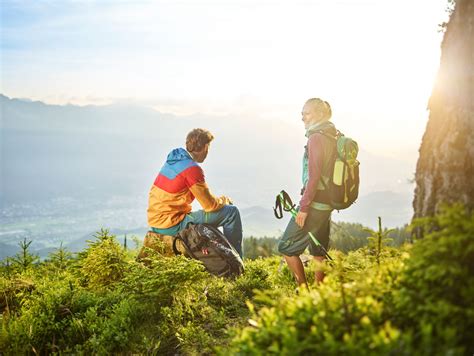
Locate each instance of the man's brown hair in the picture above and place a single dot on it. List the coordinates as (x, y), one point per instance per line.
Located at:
(197, 139)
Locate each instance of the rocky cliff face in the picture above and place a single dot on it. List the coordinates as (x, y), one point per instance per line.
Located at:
(445, 169)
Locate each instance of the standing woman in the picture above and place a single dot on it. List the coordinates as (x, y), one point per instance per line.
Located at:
(314, 213)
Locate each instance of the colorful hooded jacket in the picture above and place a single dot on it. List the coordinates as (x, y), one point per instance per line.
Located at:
(180, 180)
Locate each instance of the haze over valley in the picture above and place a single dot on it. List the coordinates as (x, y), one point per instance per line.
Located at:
(68, 171)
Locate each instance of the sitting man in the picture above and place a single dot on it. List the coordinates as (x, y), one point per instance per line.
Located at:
(180, 180)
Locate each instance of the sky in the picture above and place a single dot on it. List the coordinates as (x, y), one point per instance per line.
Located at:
(374, 61)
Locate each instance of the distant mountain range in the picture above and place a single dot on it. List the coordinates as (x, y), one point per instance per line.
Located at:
(98, 152)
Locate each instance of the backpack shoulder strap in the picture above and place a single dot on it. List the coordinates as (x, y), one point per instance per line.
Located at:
(185, 245)
(175, 249)
(334, 140)
(328, 135)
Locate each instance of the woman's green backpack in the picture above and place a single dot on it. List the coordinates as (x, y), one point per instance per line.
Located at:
(343, 183)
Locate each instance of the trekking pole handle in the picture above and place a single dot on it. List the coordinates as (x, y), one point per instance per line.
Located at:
(287, 203)
(277, 210)
(290, 207)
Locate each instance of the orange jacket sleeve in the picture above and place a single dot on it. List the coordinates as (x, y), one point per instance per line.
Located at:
(198, 187)
(207, 200)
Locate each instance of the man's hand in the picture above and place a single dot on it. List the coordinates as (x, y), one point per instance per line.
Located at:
(301, 218)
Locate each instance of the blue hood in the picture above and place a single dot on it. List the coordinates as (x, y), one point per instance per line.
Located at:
(178, 155)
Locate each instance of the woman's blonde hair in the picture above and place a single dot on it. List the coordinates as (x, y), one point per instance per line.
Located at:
(322, 107)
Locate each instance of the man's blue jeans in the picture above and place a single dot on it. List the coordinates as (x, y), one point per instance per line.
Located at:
(228, 217)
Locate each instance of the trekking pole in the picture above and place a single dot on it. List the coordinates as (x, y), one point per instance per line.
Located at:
(284, 199)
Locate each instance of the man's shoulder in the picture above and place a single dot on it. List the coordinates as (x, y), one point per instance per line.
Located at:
(194, 174)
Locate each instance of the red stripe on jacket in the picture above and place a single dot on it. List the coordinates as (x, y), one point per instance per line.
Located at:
(186, 179)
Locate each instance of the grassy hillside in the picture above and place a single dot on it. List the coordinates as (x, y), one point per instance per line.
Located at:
(416, 299)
